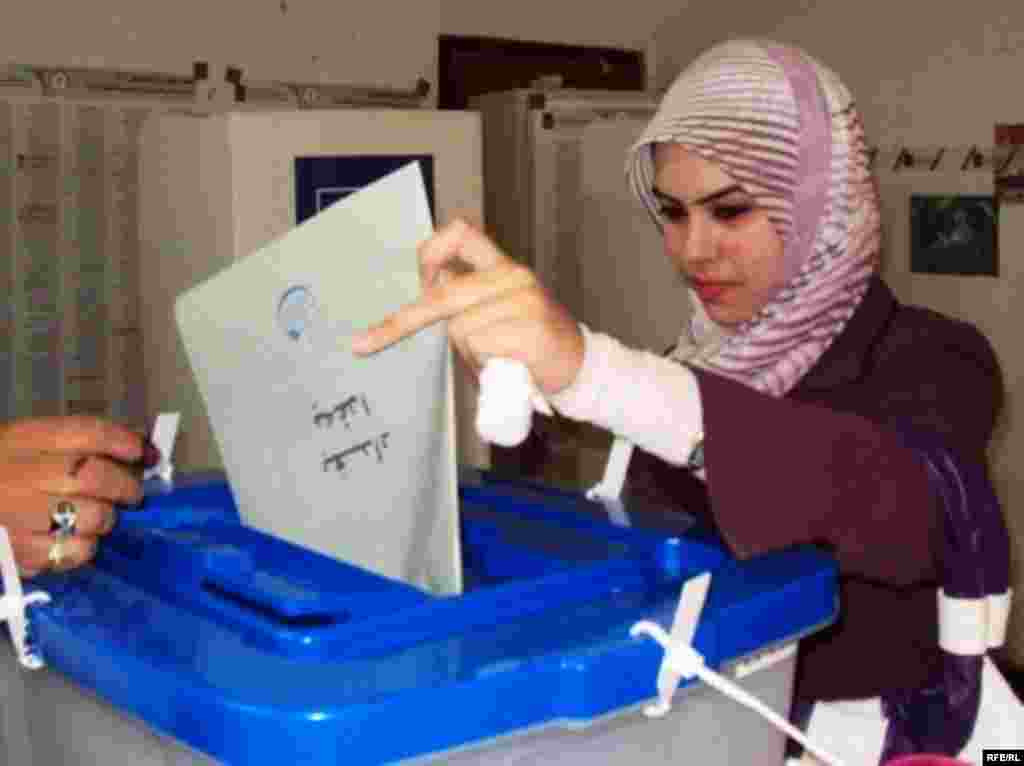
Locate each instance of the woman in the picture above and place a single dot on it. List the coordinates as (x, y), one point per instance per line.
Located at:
(787, 410)
(60, 478)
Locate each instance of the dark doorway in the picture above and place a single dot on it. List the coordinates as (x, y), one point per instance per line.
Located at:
(469, 66)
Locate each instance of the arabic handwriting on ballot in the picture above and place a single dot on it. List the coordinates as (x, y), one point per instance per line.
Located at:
(376, 445)
(336, 461)
(343, 411)
(380, 444)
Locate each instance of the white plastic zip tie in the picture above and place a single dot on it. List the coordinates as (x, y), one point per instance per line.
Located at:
(13, 603)
(609, 489)
(681, 660)
(507, 400)
(615, 509)
(165, 432)
(684, 628)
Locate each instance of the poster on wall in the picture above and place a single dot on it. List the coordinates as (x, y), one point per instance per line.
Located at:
(953, 234)
(1009, 170)
(323, 180)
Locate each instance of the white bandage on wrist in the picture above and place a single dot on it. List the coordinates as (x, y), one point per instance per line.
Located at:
(508, 397)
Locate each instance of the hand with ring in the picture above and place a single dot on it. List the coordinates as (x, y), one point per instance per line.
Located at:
(60, 480)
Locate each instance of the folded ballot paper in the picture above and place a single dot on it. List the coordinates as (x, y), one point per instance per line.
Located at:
(350, 456)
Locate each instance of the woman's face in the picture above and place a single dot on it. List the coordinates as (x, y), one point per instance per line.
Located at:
(725, 246)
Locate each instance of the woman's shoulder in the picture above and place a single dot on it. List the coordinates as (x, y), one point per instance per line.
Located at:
(939, 351)
(939, 371)
(915, 330)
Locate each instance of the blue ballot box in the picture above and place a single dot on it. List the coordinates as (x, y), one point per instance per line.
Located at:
(194, 639)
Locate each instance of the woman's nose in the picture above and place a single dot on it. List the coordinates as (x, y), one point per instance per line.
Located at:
(688, 245)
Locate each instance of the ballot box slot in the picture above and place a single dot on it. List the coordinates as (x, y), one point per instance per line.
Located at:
(306, 620)
(521, 557)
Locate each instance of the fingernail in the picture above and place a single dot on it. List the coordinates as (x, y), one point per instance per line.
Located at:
(360, 344)
(150, 454)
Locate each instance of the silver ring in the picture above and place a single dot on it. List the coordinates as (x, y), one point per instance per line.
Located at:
(56, 554)
(63, 518)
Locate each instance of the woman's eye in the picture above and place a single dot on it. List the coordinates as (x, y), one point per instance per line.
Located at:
(731, 212)
(672, 213)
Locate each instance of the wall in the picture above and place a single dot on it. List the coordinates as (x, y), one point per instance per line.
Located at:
(609, 24)
(921, 78)
(387, 42)
(606, 25)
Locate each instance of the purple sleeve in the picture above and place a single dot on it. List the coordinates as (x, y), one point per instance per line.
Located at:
(834, 466)
(782, 472)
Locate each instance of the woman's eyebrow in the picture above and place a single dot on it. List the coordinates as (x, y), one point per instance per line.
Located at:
(663, 196)
(717, 195)
(700, 200)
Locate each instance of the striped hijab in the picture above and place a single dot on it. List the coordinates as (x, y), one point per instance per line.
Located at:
(785, 128)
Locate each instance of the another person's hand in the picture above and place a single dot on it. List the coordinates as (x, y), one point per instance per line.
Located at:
(77, 465)
(496, 308)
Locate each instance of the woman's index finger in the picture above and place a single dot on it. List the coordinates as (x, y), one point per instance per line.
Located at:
(441, 301)
(406, 321)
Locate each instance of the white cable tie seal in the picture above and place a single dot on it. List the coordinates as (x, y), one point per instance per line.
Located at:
(681, 660)
(609, 489)
(13, 603)
(165, 433)
(615, 509)
(506, 403)
(684, 627)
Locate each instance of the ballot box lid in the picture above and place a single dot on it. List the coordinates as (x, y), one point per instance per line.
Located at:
(254, 650)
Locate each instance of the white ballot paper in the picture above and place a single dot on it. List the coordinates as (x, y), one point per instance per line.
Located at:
(350, 456)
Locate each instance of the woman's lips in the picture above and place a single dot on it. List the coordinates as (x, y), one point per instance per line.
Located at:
(710, 292)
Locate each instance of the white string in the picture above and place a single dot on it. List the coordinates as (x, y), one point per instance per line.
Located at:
(688, 662)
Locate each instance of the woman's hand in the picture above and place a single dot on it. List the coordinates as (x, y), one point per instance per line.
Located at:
(81, 460)
(496, 308)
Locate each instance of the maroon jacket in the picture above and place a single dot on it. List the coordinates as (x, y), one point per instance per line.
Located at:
(827, 465)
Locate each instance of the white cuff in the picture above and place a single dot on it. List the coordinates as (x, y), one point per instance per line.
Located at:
(647, 399)
(963, 624)
(998, 617)
(972, 626)
(580, 399)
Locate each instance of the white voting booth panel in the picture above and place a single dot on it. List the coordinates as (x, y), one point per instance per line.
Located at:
(628, 287)
(69, 250)
(557, 199)
(213, 189)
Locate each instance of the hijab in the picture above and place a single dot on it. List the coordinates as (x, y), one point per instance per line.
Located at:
(784, 128)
